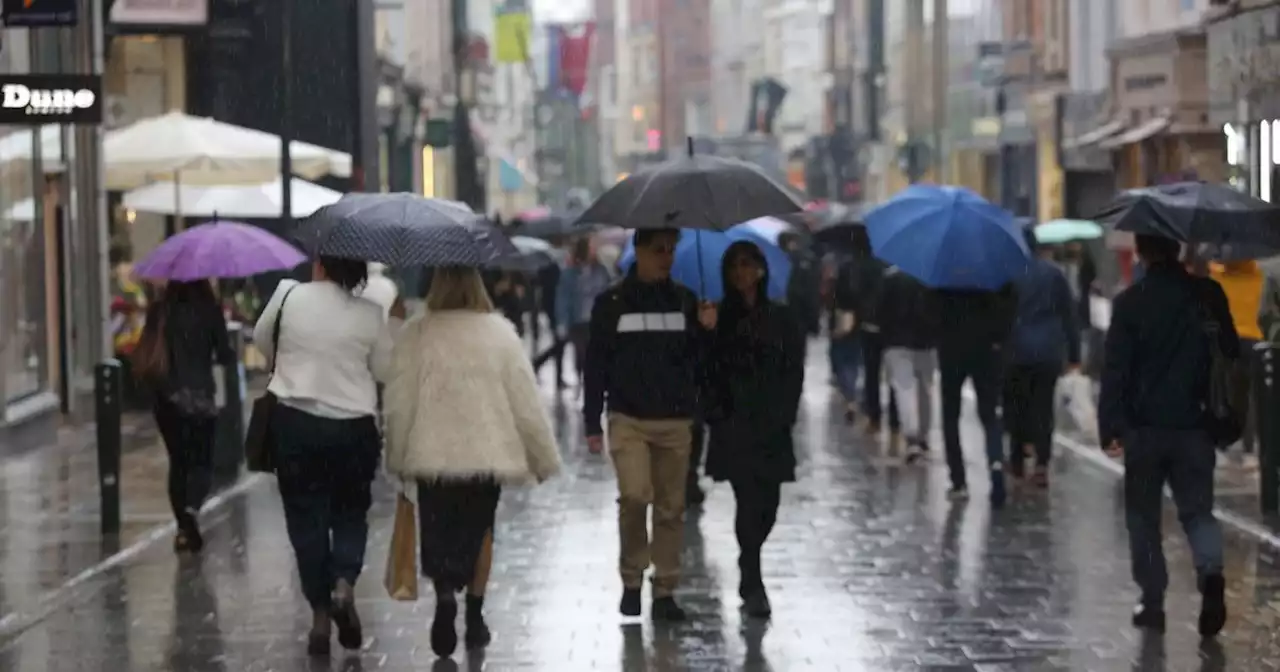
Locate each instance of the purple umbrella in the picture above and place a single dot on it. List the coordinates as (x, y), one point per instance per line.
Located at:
(218, 250)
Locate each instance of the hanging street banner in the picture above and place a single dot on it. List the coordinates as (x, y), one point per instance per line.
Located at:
(512, 26)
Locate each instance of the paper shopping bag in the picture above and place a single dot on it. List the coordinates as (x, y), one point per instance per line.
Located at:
(402, 558)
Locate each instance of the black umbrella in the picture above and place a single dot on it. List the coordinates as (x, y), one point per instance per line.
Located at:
(691, 192)
(406, 230)
(1197, 212)
(544, 224)
(841, 226)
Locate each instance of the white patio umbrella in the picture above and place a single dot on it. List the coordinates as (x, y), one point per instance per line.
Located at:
(188, 150)
(258, 200)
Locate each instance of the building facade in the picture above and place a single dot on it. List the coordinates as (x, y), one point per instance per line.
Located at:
(1244, 91)
(737, 60)
(796, 54)
(684, 76)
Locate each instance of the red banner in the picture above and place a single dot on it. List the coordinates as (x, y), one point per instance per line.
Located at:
(575, 56)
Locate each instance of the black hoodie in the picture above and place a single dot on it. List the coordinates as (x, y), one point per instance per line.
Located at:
(975, 319)
(908, 315)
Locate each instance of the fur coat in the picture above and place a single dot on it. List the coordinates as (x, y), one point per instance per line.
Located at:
(462, 402)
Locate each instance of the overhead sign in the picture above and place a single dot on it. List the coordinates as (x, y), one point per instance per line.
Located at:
(160, 12)
(39, 13)
(50, 99)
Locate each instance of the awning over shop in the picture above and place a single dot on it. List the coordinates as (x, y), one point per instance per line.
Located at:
(1096, 135)
(1146, 130)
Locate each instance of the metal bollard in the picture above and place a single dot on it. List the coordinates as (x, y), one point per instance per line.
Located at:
(1265, 399)
(109, 404)
(228, 448)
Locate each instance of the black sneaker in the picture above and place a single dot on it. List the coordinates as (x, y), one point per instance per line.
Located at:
(666, 609)
(1148, 618)
(756, 605)
(693, 494)
(1213, 608)
(444, 632)
(630, 605)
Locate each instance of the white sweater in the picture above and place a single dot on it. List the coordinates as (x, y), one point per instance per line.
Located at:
(462, 402)
(333, 347)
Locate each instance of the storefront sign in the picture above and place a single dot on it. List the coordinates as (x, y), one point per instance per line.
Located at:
(39, 13)
(50, 99)
(160, 12)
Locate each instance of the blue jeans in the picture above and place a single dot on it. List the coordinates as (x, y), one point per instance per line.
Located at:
(325, 467)
(846, 364)
(1185, 460)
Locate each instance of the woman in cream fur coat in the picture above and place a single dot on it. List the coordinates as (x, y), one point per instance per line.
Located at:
(463, 419)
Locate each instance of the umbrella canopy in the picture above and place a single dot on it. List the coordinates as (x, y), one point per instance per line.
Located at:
(260, 201)
(534, 253)
(948, 237)
(700, 252)
(1197, 212)
(407, 230)
(1066, 230)
(198, 150)
(543, 222)
(691, 192)
(840, 226)
(769, 228)
(218, 250)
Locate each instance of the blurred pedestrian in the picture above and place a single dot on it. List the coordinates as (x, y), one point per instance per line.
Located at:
(547, 285)
(1046, 341)
(866, 289)
(583, 279)
(975, 329)
(754, 381)
(909, 332)
(333, 349)
(380, 289)
(463, 419)
(184, 335)
(1157, 409)
(644, 355)
(804, 285)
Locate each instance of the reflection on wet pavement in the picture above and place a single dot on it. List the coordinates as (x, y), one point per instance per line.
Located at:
(870, 568)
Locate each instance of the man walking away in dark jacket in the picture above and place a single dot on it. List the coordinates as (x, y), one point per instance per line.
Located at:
(865, 291)
(548, 286)
(975, 328)
(1046, 339)
(909, 332)
(1154, 410)
(804, 283)
(644, 357)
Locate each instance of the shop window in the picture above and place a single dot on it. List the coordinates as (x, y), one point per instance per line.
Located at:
(24, 350)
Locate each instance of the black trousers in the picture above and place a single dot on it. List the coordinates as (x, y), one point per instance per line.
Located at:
(325, 467)
(1028, 411)
(188, 439)
(984, 366)
(872, 367)
(756, 501)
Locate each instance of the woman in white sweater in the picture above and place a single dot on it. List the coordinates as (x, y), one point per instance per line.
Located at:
(463, 418)
(334, 347)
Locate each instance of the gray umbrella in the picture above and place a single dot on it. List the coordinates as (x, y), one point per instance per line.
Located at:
(691, 192)
(406, 230)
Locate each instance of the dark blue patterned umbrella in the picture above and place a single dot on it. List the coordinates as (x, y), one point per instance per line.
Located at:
(406, 230)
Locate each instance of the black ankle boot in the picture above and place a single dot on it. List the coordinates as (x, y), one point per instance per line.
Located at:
(444, 634)
(478, 635)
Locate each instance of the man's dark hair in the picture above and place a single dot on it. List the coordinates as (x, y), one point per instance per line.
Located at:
(348, 274)
(581, 250)
(646, 237)
(1157, 249)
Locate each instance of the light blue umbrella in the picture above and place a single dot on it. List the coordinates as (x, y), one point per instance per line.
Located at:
(1066, 230)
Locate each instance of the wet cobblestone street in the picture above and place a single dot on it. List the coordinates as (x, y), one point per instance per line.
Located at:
(871, 568)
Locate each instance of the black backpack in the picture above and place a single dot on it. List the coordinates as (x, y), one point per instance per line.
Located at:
(1227, 408)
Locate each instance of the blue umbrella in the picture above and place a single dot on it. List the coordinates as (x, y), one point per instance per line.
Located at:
(698, 257)
(948, 238)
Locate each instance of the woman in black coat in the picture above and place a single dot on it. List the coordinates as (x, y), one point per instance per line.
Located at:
(185, 335)
(755, 374)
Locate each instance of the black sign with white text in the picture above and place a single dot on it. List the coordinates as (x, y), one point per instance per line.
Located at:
(50, 99)
(39, 13)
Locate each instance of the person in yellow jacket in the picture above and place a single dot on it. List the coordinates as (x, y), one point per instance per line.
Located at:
(1242, 282)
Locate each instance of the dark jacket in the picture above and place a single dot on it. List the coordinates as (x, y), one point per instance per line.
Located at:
(644, 353)
(803, 288)
(975, 319)
(755, 375)
(195, 336)
(1157, 361)
(907, 315)
(858, 287)
(1045, 329)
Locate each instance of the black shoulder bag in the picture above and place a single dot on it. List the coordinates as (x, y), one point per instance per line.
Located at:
(258, 444)
(1226, 411)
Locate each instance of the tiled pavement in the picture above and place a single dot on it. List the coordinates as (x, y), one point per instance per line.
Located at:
(870, 568)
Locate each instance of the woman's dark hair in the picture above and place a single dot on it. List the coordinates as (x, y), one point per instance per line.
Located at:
(581, 250)
(348, 274)
(734, 304)
(150, 359)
